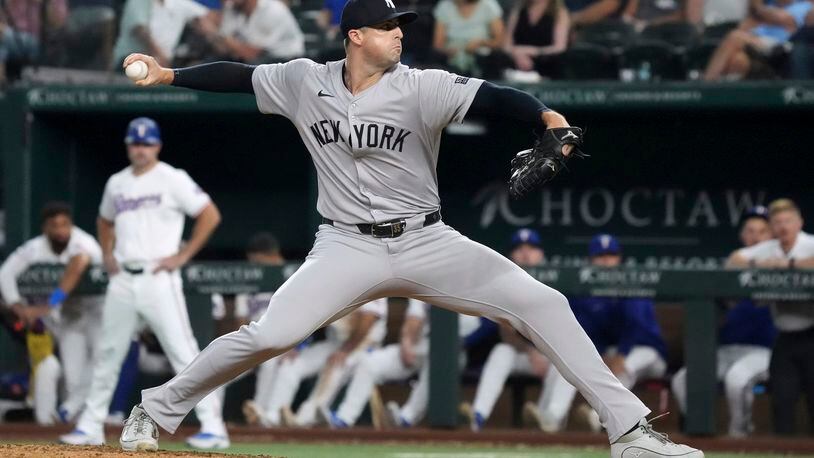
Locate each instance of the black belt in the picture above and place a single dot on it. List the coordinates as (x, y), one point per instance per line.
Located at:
(390, 229)
(133, 270)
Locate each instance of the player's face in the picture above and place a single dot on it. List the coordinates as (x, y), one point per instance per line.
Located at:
(57, 230)
(607, 260)
(141, 155)
(382, 43)
(526, 255)
(786, 225)
(754, 231)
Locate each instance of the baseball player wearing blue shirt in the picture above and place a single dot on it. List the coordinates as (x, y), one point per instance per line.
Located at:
(624, 331)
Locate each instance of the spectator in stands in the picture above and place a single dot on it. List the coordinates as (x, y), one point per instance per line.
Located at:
(329, 17)
(801, 61)
(464, 28)
(767, 27)
(536, 30)
(90, 33)
(745, 340)
(643, 13)
(585, 12)
(792, 366)
(255, 31)
(22, 31)
(624, 331)
(713, 12)
(154, 27)
(515, 354)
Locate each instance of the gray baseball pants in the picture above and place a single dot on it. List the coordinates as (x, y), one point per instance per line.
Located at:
(434, 264)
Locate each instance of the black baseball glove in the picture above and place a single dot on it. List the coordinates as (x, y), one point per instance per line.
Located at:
(536, 166)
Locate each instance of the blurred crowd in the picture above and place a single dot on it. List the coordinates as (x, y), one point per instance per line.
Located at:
(520, 40)
(761, 346)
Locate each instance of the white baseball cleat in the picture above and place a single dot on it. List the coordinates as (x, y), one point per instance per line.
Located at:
(208, 441)
(79, 437)
(532, 414)
(645, 442)
(591, 417)
(140, 432)
(252, 412)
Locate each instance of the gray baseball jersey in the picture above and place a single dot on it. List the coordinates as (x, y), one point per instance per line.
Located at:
(375, 155)
(375, 152)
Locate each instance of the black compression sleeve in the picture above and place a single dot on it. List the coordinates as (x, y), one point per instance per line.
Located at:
(216, 77)
(508, 102)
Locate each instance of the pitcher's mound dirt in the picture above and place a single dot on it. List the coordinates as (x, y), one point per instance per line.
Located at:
(71, 451)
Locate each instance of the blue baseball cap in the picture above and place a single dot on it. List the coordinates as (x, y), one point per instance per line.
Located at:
(526, 235)
(143, 131)
(604, 244)
(758, 211)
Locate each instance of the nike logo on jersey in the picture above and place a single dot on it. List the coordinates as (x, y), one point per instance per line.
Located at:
(361, 135)
(322, 93)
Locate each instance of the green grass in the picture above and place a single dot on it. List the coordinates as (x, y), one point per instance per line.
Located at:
(295, 450)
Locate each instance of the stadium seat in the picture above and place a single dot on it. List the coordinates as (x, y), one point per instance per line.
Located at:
(585, 61)
(610, 34)
(661, 57)
(697, 57)
(681, 35)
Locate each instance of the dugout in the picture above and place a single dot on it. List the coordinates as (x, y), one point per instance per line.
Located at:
(672, 167)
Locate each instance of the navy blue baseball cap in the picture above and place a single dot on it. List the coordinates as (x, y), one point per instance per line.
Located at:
(143, 131)
(525, 235)
(758, 211)
(364, 13)
(604, 244)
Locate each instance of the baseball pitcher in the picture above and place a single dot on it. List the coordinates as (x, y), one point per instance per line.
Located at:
(373, 129)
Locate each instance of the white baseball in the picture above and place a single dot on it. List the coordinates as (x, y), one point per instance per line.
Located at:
(136, 71)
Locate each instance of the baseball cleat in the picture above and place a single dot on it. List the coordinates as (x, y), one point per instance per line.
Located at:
(396, 419)
(476, 420)
(645, 442)
(591, 417)
(288, 417)
(208, 441)
(532, 414)
(140, 432)
(79, 437)
(251, 412)
(330, 417)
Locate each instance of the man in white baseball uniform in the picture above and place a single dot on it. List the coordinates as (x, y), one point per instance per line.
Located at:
(73, 319)
(791, 367)
(373, 128)
(745, 341)
(398, 361)
(141, 220)
(515, 354)
(347, 340)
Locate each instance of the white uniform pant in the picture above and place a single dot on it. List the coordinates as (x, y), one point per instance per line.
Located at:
(279, 391)
(434, 264)
(385, 365)
(158, 301)
(740, 367)
(558, 393)
(76, 329)
(503, 360)
(331, 380)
